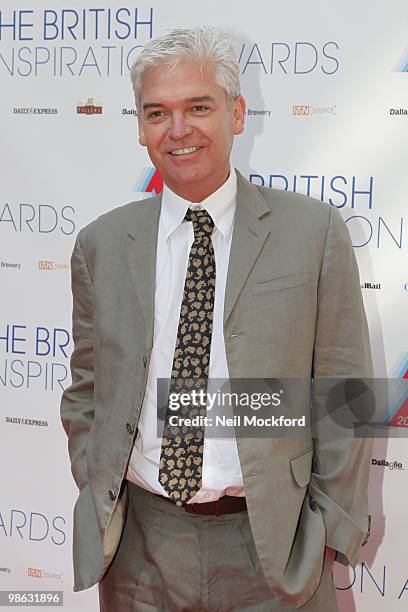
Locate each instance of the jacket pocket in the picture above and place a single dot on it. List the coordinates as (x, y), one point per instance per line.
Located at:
(279, 283)
(301, 467)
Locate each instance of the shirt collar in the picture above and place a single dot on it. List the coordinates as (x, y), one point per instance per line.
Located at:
(220, 205)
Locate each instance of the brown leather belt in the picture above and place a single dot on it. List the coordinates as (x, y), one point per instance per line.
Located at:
(224, 505)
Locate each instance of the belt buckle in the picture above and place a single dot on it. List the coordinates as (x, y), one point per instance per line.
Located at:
(189, 508)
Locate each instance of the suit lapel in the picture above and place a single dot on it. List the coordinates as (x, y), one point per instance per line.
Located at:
(249, 235)
(141, 254)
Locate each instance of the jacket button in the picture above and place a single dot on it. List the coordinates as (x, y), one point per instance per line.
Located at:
(144, 361)
(129, 428)
(313, 505)
(112, 494)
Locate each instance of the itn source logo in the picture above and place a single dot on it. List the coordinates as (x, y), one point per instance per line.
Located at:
(402, 65)
(398, 413)
(149, 182)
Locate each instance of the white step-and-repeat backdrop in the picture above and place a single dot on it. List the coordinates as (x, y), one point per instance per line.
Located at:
(326, 86)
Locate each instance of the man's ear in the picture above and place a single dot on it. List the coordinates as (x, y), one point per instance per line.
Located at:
(239, 108)
(142, 139)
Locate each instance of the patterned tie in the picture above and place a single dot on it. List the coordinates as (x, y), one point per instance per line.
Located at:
(181, 456)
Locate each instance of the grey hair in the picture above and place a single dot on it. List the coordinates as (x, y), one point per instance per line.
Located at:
(204, 44)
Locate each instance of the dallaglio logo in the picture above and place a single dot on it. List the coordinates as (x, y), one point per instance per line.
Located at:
(399, 112)
(391, 465)
(89, 108)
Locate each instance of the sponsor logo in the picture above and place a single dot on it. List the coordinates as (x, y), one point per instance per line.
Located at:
(34, 572)
(129, 112)
(52, 265)
(89, 108)
(402, 64)
(24, 421)
(399, 112)
(391, 465)
(370, 285)
(302, 110)
(149, 182)
(5, 570)
(8, 264)
(398, 413)
(258, 112)
(34, 110)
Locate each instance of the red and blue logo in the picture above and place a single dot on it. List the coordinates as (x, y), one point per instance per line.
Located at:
(402, 65)
(398, 413)
(149, 182)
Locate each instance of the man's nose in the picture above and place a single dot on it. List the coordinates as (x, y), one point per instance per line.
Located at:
(180, 127)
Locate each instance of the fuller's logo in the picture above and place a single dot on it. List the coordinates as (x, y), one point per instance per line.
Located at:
(149, 182)
(89, 108)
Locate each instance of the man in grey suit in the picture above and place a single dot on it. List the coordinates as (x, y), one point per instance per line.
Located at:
(216, 278)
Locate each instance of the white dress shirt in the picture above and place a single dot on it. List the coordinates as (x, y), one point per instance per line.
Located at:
(221, 473)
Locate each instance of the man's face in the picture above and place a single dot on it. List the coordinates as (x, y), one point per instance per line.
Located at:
(187, 127)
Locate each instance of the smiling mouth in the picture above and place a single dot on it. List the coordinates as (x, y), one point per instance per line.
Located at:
(184, 151)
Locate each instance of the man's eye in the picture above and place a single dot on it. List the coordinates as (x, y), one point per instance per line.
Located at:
(155, 114)
(200, 108)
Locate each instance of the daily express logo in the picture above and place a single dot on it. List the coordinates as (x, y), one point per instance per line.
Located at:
(149, 182)
(398, 413)
(402, 65)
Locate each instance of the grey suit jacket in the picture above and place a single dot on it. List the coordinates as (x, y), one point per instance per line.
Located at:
(293, 309)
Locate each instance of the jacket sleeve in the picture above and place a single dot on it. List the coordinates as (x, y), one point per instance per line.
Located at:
(339, 482)
(77, 402)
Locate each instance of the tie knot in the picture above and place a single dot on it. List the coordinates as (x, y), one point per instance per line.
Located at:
(203, 224)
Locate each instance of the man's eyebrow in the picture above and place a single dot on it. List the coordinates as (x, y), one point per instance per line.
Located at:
(201, 99)
(193, 99)
(152, 105)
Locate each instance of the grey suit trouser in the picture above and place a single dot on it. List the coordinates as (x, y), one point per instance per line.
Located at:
(173, 561)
